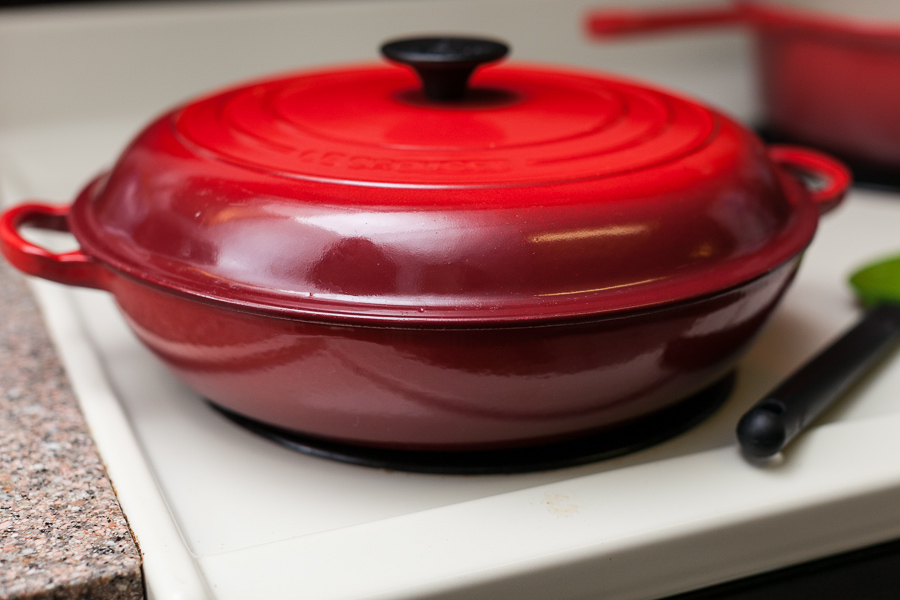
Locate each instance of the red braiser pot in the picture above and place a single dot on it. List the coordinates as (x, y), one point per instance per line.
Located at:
(828, 70)
(536, 255)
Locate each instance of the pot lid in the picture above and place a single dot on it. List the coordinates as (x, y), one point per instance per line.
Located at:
(376, 193)
(376, 127)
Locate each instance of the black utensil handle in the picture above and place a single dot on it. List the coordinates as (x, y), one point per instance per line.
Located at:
(776, 419)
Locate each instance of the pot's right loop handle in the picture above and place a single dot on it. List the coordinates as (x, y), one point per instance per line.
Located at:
(826, 179)
(71, 268)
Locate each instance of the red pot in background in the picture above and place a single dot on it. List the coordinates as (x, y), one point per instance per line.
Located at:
(538, 255)
(828, 70)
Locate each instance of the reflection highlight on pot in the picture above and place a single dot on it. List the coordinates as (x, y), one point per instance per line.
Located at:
(593, 232)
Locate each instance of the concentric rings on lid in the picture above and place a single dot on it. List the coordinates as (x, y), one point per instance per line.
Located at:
(372, 126)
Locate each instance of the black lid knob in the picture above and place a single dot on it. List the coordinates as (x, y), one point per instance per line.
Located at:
(444, 64)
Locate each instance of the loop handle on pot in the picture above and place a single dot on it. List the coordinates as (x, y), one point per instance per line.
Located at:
(70, 268)
(825, 179)
(611, 22)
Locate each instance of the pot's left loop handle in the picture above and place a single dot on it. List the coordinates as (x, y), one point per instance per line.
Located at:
(825, 179)
(70, 268)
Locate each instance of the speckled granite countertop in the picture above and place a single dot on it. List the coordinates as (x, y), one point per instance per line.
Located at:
(62, 532)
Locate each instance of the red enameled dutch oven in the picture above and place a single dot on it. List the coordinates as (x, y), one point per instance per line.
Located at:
(537, 255)
(828, 69)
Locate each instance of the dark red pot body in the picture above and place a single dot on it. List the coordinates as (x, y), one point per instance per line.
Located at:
(450, 388)
(827, 82)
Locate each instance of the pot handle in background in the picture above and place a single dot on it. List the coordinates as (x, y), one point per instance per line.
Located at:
(612, 22)
(826, 179)
(70, 268)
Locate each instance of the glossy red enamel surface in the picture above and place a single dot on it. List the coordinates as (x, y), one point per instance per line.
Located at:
(452, 388)
(344, 195)
(372, 126)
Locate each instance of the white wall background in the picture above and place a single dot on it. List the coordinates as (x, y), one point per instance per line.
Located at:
(60, 63)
